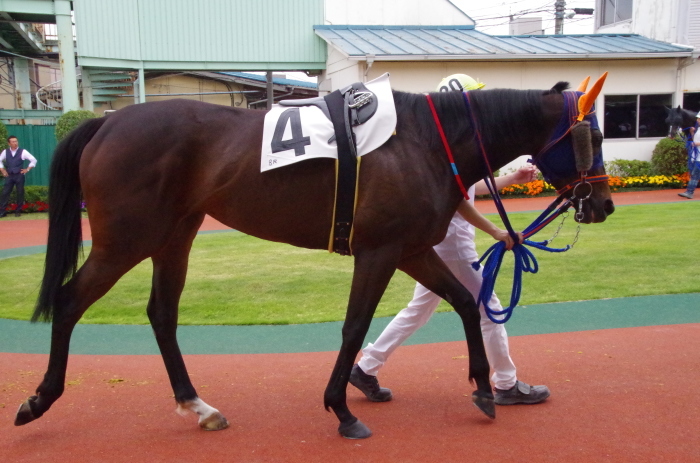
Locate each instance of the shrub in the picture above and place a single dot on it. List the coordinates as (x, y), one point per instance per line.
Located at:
(3, 136)
(625, 168)
(70, 120)
(32, 194)
(669, 157)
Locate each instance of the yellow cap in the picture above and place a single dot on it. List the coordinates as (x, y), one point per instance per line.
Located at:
(458, 82)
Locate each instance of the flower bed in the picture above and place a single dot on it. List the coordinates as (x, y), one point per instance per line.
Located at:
(37, 206)
(644, 182)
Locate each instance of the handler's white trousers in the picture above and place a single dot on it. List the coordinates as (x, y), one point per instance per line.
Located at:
(419, 311)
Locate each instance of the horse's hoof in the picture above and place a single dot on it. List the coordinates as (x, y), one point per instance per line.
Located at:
(214, 422)
(356, 430)
(484, 402)
(24, 412)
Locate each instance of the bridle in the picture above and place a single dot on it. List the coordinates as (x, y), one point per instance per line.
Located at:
(524, 259)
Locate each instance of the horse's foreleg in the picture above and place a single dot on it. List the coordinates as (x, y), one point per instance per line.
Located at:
(372, 273)
(97, 275)
(430, 271)
(169, 272)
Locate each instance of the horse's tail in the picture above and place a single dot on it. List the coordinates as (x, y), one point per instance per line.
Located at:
(65, 240)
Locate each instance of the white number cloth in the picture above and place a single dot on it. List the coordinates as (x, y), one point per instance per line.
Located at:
(303, 132)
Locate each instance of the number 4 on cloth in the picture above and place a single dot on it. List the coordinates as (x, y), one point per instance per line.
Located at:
(298, 140)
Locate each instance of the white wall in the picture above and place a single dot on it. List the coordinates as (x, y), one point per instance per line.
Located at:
(395, 12)
(625, 77)
(672, 21)
(656, 19)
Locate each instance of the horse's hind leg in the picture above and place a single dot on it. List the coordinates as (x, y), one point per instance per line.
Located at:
(169, 272)
(97, 275)
(431, 272)
(373, 271)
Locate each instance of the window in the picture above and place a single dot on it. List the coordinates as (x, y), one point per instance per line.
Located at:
(636, 116)
(613, 11)
(691, 101)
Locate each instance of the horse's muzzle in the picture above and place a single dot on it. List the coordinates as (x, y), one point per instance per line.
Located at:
(598, 214)
(596, 211)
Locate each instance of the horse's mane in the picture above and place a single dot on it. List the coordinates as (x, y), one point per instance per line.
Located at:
(498, 113)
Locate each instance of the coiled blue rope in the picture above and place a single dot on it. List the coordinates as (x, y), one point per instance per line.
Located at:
(525, 260)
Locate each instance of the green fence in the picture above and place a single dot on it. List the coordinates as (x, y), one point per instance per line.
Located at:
(39, 140)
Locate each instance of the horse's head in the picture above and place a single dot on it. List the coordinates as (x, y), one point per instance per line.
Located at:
(680, 121)
(674, 121)
(572, 161)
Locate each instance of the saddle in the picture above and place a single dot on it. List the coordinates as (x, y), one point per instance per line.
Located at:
(362, 104)
(345, 108)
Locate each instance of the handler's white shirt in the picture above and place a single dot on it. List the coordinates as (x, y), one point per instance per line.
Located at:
(26, 156)
(459, 241)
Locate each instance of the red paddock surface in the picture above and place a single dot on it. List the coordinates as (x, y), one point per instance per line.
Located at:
(618, 395)
(621, 395)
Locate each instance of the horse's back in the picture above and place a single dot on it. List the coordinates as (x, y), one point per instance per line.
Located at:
(186, 157)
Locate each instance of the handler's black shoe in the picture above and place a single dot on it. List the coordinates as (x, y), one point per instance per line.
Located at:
(3, 214)
(17, 214)
(521, 393)
(369, 385)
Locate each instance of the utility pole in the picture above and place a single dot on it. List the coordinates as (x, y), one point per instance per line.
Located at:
(559, 7)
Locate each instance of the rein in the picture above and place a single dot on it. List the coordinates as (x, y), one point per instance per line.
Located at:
(525, 260)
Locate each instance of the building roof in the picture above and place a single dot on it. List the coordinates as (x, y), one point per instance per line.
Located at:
(397, 43)
(275, 80)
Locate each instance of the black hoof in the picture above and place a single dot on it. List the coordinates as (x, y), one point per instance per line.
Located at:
(484, 402)
(25, 414)
(356, 430)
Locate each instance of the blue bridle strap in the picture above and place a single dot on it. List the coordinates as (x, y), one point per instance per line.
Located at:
(525, 260)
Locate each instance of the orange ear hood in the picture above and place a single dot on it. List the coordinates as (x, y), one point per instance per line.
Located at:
(584, 85)
(585, 103)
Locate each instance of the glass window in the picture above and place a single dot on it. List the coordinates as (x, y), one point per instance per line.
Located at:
(652, 114)
(691, 101)
(636, 116)
(620, 116)
(613, 11)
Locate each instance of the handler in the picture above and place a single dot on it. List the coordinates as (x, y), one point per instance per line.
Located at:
(458, 251)
(14, 156)
(693, 161)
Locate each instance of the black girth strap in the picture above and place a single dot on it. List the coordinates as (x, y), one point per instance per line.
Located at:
(346, 175)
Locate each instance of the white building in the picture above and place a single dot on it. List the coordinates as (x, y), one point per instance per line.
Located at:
(649, 47)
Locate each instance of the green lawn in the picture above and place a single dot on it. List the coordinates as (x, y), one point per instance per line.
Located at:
(236, 279)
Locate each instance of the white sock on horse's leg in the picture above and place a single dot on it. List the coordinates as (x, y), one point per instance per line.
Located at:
(210, 418)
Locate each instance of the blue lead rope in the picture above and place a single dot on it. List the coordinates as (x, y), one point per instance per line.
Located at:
(525, 260)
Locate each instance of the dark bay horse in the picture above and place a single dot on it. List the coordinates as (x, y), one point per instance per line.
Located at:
(150, 172)
(678, 119)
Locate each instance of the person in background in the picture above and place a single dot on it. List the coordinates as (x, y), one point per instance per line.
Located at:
(12, 167)
(693, 162)
(458, 251)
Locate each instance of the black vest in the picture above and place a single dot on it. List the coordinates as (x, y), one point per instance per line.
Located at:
(14, 164)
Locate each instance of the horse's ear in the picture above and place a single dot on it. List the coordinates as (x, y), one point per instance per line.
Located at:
(557, 89)
(585, 103)
(583, 85)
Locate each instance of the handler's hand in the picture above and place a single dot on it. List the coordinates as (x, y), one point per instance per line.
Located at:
(4, 172)
(525, 174)
(502, 235)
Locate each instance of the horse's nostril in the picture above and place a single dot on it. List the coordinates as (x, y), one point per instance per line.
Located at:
(609, 206)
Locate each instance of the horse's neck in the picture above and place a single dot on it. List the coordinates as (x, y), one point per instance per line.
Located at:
(524, 135)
